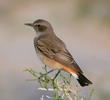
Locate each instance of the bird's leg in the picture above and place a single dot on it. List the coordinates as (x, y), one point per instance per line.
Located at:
(56, 75)
(46, 73)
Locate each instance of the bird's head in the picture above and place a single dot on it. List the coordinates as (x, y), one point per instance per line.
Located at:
(41, 26)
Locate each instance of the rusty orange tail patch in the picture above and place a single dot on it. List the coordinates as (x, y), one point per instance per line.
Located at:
(69, 70)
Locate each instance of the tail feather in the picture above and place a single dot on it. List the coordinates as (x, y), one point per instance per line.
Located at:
(83, 80)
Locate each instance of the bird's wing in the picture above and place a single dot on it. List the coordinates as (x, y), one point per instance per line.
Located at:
(57, 52)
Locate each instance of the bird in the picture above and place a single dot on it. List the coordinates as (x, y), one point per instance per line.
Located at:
(53, 51)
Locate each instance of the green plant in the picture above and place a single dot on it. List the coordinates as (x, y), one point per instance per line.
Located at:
(63, 86)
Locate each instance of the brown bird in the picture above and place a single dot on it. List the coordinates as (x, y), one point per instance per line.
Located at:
(53, 51)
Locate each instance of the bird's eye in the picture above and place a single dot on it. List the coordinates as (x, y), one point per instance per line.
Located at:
(41, 28)
(38, 25)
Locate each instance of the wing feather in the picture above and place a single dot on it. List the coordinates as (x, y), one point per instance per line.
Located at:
(56, 52)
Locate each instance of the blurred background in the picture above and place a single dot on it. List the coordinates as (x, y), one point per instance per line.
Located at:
(84, 25)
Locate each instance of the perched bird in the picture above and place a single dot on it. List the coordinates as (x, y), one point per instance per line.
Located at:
(53, 51)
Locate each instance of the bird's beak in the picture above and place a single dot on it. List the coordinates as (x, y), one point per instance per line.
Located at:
(28, 24)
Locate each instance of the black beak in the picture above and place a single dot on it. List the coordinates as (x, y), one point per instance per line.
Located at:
(28, 24)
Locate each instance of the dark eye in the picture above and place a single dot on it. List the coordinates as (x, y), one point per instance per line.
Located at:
(38, 25)
(41, 28)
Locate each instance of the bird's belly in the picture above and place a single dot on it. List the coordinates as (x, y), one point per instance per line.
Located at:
(50, 63)
(54, 64)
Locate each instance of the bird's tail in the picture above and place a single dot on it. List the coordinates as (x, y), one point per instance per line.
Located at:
(83, 81)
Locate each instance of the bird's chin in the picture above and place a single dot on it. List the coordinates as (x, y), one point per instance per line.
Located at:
(41, 33)
(38, 34)
(36, 30)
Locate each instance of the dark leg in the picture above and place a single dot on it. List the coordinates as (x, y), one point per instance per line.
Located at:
(46, 73)
(56, 75)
